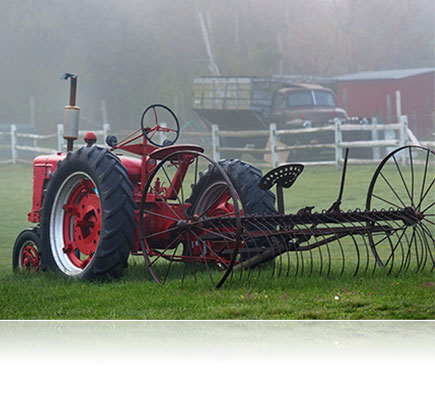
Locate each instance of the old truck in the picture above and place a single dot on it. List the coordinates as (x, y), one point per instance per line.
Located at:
(290, 102)
(252, 103)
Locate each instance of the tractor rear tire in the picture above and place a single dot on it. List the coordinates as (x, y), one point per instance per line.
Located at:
(245, 178)
(254, 200)
(87, 216)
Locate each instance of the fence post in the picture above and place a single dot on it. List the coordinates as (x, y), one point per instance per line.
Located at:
(403, 135)
(273, 145)
(375, 136)
(215, 142)
(13, 144)
(106, 129)
(60, 137)
(338, 139)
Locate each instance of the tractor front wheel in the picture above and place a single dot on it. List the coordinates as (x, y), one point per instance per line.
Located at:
(87, 216)
(26, 256)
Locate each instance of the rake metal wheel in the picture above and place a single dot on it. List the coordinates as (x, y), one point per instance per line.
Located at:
(188, 234)
(405, 179)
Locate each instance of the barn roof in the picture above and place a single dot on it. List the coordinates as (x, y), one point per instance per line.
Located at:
(390, 74)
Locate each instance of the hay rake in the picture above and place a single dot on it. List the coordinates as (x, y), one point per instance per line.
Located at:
(395, 232)
(94, 207)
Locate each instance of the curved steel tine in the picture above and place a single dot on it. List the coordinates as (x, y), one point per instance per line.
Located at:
(357, 253)
(353, 223)
(228, 242)
(319, 246)
(248, 248)
(266, 228)
(406, 259)
(285, 240)
(299, 255)
(376, 261)
(394, 255)
(282, 244)
(310, 250)
(300, 252)
(255, 250)
(257, 225)
(418, 259)
(415, 250)
(295, 251)
(343, 257)
(431, 249)
(424, 250)
(367, 253)
(426, 243)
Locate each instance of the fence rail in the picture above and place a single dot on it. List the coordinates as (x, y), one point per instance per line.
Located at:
(273, 153)
(14, 146)
(276, 151)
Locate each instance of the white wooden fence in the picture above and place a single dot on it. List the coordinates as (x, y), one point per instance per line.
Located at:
(14, 145)
(275, 152)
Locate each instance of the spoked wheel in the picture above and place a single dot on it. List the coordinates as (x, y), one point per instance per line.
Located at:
(181, 236)
(161, 120)
(405, 179)
(87, 217)
(26, 251)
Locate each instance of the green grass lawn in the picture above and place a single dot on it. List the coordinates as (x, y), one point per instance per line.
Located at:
(136, 296)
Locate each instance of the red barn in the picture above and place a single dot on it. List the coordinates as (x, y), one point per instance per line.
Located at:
(373, 94)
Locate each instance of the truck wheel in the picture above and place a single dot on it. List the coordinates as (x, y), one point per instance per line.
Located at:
(245, 178)
(87, 216)
(25, 256)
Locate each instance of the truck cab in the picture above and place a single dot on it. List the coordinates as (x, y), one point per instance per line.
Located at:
(304, 105)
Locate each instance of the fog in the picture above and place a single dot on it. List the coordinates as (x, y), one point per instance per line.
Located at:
(132, 53)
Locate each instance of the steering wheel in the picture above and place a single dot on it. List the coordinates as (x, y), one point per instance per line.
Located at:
(150, 115)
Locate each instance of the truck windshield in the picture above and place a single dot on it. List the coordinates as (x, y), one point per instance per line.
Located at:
(311, 98)
(324, 98)
(300, 98)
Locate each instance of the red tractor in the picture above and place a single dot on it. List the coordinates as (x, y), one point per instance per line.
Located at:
(94, 207)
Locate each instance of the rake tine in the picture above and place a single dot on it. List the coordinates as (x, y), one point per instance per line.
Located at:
(310, 250)
(271, 245)
(424, 251)
(357, 253)
(342, 253)
(302, 262)
(367, 253)
(249, 256)
(408, 254)
(429, 233)
(316, 222)
(419, 263)
(284, 244)
(426, 246)
(355, 223)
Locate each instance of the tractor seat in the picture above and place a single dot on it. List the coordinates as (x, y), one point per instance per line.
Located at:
(284, 176)
(163, 152)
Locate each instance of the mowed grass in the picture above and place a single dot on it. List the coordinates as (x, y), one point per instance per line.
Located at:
(137, 296)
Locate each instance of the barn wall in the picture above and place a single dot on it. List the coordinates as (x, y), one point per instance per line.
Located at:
(418, 102)
(365, 98)
(368, 98)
